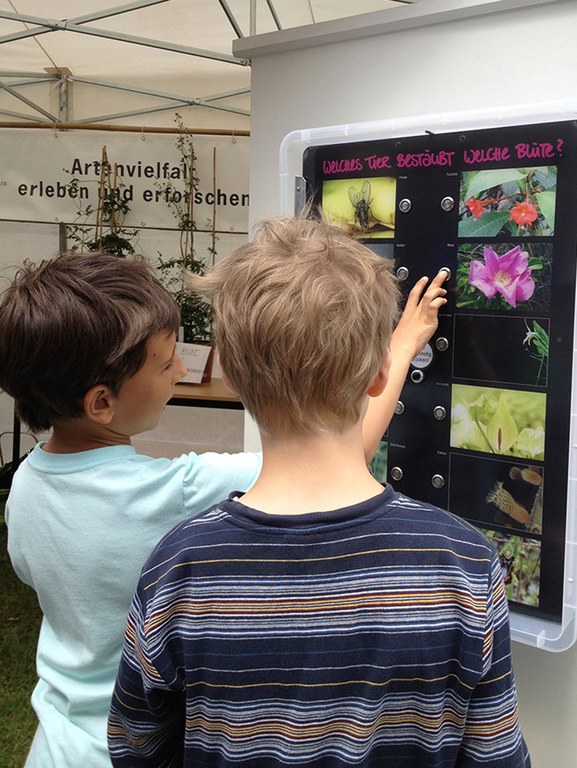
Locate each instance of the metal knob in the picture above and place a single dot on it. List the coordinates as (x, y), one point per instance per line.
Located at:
(405, 205)
(438, 481)
(402, 273)
(439, 412)
(397, 473)
(447, 203)
(417, 376)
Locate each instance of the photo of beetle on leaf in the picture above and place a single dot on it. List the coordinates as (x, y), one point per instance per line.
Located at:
(504, 277)
(521, 563)
(519, 202)
(499, 421)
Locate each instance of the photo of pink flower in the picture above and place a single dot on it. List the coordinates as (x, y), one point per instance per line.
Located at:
(509, 275)
(504, 277)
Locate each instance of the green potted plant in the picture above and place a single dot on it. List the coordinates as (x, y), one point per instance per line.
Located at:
(108, 234)
(196, 313)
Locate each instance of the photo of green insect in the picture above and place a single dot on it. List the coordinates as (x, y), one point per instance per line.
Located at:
(361, 202)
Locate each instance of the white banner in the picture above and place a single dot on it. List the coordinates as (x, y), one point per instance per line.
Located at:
(38, 166)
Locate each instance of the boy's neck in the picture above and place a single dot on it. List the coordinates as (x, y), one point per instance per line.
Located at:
(80, 435)
(312, 473)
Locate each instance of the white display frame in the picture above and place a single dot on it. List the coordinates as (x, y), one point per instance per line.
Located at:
(547, 635)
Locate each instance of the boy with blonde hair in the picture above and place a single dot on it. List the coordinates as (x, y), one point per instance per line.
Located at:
(318, 619)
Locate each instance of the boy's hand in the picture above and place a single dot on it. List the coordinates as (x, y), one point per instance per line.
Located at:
(420, 317)
(416, 326)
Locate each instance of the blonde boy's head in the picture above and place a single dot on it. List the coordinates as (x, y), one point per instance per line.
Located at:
(304, 316)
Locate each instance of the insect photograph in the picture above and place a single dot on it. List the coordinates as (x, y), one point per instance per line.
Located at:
(364, 208)
(361, 202)
(520, 560)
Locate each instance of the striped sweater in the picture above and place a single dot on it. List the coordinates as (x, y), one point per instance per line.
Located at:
(375, 635)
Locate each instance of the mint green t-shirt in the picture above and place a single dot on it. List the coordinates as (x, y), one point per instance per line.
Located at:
(80, 527)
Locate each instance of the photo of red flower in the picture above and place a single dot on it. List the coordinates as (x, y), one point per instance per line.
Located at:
(476, 207)
(524, 213)
(519, 202)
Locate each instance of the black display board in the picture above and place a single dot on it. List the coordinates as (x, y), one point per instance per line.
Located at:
(482, 425)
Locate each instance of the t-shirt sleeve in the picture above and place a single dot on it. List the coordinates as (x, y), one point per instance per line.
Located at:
(145, 725)
(492, 737)
(211, 477)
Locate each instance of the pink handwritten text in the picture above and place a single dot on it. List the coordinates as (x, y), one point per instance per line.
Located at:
(424, 159)
(342, 166)
(535, 150)
(541, 150)
(489, 155)
(375, 162)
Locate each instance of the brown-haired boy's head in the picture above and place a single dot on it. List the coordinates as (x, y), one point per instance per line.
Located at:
(75, 321)
(304, 318)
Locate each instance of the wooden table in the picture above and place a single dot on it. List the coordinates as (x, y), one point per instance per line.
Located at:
(212, 395)
(215, 394)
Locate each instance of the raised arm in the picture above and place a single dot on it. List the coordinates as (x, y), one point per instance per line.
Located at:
(414, 329)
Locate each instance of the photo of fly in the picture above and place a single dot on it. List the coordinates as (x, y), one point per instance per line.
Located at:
(361, 202)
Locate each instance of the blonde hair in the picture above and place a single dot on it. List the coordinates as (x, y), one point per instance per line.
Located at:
(304, 315)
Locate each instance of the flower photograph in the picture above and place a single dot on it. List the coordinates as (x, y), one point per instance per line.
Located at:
(519, 202)
(504, 276)
(511, 350)
(504, 422)
(506, 494)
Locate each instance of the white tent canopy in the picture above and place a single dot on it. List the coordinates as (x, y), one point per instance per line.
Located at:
(117, 67)
(96, 62)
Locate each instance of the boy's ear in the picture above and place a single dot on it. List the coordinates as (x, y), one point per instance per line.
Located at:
(98, 404)
(380, 380)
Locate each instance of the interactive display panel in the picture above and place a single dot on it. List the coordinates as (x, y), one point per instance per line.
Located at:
(482, 427)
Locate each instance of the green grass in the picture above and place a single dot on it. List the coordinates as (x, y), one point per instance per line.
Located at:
(19, 625)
